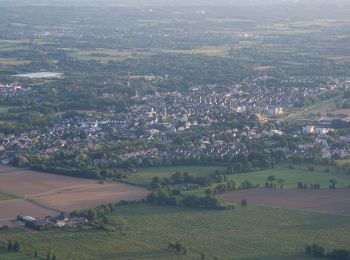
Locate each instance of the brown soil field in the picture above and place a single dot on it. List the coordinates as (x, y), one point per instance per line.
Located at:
(90, 196)
(322, 201)
(25, 182)
(9, 209)
(43, 194)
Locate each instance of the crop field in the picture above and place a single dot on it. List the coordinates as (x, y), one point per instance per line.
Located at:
(144, 176)
(293, 176)
(323, 107)
(322, 201)
(6, 196)
(4, 255)
(3, 110)
(12, 61)
(8, 45)
(9, 209)
(89, 196)
(105, 55)
(31, 182)
(41, 194)
(244, 233)
(205, 50)
(343, 162)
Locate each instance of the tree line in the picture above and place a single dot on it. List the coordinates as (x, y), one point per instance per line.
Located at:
(173, 198)
(319, 251)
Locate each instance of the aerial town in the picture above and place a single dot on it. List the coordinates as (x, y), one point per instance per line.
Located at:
(203, 113)
(174, 129)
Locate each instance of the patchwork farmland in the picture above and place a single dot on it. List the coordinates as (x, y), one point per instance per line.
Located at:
(40, 194)
(255, 233)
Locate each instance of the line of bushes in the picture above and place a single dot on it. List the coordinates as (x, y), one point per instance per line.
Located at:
(318, 251)
(172, 198)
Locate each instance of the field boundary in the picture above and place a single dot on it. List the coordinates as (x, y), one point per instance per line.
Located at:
(324, 201)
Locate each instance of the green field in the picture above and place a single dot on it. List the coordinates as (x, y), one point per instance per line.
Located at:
(6, 196)
(243, 233)
(291, 176)
(343, 162)
(12, 61)
(103, 55)
(313, 109)
(205, 50)
(3, 110)
(5, 255)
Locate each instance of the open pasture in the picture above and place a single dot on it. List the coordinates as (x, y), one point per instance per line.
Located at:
(5, 255)
(12, 61)
(323, 201)
(205, 50)
(105, 55)
(3, 110)
(291, 177)
(41, 194)
(6, 196)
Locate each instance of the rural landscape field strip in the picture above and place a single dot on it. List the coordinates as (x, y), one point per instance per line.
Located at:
(243, 233)
(5, 255)
(8, 169)
(9, 209)
(6, 196)
(323, 201)
(31, 182)
(40, 194)
(293, 176)
(91, 196)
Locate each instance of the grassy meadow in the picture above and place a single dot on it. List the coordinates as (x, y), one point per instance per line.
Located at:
(144, 176)
(291, 176)
(204, 50)
(12, 61)
(5, 255)
(243, 233)
(6, 196)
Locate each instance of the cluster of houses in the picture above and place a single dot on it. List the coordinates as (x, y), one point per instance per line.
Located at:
(14, 89)
(163, 117)
(12, 145)
(347, 82)
(60, 221)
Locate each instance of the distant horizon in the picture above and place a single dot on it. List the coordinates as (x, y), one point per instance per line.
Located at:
(137, 3)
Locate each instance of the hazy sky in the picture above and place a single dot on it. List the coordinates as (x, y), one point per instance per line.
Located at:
(170, 2)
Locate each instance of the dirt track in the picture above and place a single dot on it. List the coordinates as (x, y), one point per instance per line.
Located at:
(42, 194)
(323, 201)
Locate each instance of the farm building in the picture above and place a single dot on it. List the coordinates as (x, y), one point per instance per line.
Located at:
(28, 219)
